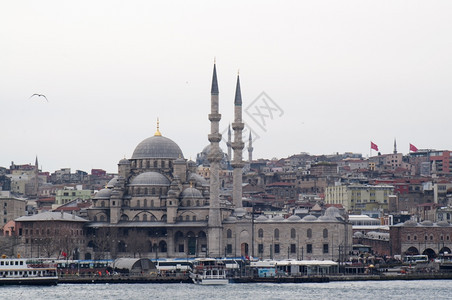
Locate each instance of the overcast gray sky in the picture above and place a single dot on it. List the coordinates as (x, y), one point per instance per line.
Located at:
(339, 75)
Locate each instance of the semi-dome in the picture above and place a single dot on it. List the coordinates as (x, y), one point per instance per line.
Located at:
(103, 194)
(150, 178)
(197, 178)
(112, 182)
(157, 146)
(190, 193)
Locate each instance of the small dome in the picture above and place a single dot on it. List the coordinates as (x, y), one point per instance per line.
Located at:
(240, 212)
(294, 218)
(332, 212)
(112, 182)
(124, 161)
(262, 218)
(103, 194)
(231, 219)
(157, 146)
(190, 193)
(358, 234)
(309, 218)
(150, 178)
(427, 223)
(410, 223)
(443, 223)
(278, 219)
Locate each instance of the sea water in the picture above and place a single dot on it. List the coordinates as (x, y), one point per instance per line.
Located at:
(399, 289)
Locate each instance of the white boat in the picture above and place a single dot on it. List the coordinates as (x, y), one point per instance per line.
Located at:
(209, 272)
(27, 272)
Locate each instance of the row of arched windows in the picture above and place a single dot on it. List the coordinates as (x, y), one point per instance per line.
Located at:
(293, 233)
(147, 164)
(136, 190)
(428, 237)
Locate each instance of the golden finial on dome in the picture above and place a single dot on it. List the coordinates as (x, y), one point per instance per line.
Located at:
(157, 133)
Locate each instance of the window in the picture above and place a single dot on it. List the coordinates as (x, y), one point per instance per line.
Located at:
(229, 248)
(408, 237)
(325, 233)
(181, 247)
(415, 237)
(325, 248)
(293, 248)
(260, 233)
(260, 248)
(292, 233)
(276, 234)
(229, 234)
(276, 248)
(309, 233)
(309, 248)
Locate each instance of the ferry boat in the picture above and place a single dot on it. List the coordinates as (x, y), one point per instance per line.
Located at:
(27, 272)
(209, 271)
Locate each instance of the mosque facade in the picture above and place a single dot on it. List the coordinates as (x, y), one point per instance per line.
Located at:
(158, 206)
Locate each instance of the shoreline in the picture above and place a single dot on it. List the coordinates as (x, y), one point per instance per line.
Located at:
(288, 279)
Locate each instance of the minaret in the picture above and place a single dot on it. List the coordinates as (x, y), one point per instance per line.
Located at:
(395, 146)
(237, 146)
(214, 157)
(250, 149)
(36, 179)
(229, 144)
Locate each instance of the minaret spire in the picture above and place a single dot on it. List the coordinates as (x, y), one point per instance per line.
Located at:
(395, 146)
(229, 144)
(214, 157)
(237, 146)
(250, 148)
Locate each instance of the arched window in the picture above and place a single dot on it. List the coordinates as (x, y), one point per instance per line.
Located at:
(276, 234)
(102, 218)
(153, 191)
(188, 203)
(194, 218)
(292, 233)
(187, 218)
(229, 233)
(155, 164)
(309, 233)
(145, 217)
(163, 164)
(197, 202)
(138, 203)
(325, 233)
(260, 233)
(145, 202)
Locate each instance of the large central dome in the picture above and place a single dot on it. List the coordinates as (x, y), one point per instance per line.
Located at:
(157, 146)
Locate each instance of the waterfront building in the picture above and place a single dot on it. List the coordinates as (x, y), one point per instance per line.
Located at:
(426, 237)
(50, 234)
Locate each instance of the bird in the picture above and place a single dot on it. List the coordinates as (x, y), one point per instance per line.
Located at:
(40, 95)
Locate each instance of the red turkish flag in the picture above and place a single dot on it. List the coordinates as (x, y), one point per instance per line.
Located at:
(413, 148)
(373, 146)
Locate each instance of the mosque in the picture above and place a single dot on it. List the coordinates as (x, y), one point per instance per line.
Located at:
(158, 206)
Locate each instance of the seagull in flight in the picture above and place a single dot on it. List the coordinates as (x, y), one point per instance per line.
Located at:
(40, 95)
